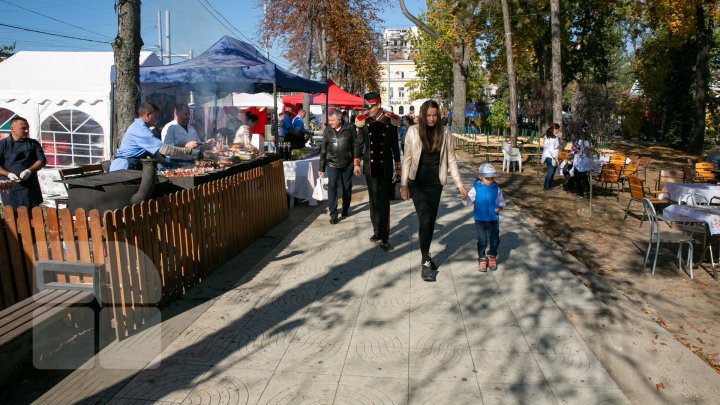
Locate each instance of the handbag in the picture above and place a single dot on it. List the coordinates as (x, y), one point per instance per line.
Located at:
(320, 192)
(396, 191)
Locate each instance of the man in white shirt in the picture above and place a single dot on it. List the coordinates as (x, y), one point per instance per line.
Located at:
(180, 133)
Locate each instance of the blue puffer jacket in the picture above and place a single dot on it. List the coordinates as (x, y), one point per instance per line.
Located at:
(485, 201)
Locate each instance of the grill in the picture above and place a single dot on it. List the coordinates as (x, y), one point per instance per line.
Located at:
(108, 191)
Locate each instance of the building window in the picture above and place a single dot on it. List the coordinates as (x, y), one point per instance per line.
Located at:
(401, 110)
(402, 75)
(72, 138)
(401, 92)
(390, 94)
(5, 117)
(412, 109)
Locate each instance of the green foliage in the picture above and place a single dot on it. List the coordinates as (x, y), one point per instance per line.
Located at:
(498, 115)
(639, 121)
(434, 72)
(6, 51)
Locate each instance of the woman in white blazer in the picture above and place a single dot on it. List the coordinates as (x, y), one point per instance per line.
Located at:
(551, 147)
(429, 155)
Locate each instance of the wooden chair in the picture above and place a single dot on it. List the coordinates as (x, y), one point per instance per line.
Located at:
(703, 172)
(629, 170)
(609, 176)
(667, 176)
(657, 236)
(688, 175)
(644, 162)
(637, 193)
(618, 160)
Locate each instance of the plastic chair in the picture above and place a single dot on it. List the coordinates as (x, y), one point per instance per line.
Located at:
(511, 155)
(657, 236)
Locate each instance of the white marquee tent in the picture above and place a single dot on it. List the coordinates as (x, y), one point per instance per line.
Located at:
(39, 85)
(65, 96)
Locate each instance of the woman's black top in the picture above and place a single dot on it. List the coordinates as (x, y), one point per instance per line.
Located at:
(428, 171)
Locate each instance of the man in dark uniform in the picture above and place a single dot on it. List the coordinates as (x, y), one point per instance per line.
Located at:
(376, 144)
(20, 160)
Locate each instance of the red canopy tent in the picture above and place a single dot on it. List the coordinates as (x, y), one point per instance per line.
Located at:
(338, 98)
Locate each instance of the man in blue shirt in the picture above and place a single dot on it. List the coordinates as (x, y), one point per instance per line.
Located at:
(286, 125)
(138, 142)
(298, 133)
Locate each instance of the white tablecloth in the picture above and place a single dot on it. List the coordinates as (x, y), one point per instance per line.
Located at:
(694, 213)
(300, 178)
(675, 190)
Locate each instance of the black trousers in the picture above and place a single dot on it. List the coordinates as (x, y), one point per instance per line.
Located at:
(426, 198)
(379, 191)
(342, 176)
(582, 182)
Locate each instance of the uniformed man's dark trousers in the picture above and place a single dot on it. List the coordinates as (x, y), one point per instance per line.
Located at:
(379, 191)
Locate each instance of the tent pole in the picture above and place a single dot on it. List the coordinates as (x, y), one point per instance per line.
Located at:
(327, 102)
(112, 122)
(274, 125)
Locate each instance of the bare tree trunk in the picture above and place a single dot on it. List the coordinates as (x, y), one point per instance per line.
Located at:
(461, 60)
(556, 61)
(308, 74)
(702, 73)
(126, 47)
(460, 72)
(511, 74)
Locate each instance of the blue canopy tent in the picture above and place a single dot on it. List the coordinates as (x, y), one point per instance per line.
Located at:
(229, 66)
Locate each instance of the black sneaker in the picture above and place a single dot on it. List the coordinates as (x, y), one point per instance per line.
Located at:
(385, 245)
(334, 221)
(344, 214)
(375, 239)
(426, 271)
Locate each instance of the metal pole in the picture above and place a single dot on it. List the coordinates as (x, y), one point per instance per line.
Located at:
(274, 126)
(167, 36)
(192, 96)
(159, 33)
(388, 75)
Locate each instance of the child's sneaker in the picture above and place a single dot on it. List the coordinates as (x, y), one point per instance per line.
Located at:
(492, 263)
(482, 265)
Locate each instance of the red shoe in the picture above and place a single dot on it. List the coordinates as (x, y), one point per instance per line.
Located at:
(482, 265)
(492, 263)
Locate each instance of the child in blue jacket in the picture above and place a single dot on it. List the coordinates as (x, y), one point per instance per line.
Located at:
(487, 201)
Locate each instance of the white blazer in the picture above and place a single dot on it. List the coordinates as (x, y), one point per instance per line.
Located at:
(411, 158)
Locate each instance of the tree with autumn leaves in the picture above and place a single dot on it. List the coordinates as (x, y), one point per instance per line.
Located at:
(327, 38)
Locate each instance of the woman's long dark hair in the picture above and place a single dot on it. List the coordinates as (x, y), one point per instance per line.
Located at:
(437, 132)
(549, 133)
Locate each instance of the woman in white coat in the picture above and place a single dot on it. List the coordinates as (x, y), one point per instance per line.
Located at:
(428, 156)
(551, 147)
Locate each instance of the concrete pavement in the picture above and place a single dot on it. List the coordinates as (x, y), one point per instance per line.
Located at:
(328, 317)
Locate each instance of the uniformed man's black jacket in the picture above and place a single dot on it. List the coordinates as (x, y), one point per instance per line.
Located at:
(376, 144)
(337, 147)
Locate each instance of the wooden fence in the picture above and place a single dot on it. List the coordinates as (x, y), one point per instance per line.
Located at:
(154, 251)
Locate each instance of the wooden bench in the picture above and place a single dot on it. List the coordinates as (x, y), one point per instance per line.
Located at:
(63, 315)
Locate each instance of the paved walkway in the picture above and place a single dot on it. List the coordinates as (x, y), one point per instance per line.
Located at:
(328, 317)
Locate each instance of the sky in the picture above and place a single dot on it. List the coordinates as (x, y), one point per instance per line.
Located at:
(192, 24)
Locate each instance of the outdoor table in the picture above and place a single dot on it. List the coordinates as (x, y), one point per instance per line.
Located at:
(694, 213)
(300, 176)
(676, 190)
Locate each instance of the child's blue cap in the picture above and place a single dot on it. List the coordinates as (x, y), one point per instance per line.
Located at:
(487, 170)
